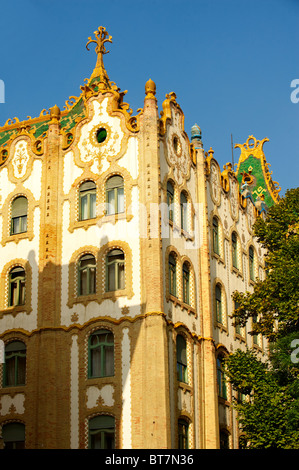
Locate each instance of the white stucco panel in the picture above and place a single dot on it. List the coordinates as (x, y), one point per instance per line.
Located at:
(104, 394)
(15, 404)
(70, 172)
(6, 187)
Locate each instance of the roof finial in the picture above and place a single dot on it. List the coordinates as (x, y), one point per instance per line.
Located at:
(101, 38)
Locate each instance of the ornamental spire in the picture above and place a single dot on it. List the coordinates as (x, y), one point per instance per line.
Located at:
(101, 38)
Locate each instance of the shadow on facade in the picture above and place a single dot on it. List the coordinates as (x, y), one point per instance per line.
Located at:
(62, 391)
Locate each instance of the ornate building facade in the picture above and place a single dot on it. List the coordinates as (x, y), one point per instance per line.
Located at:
(122, 242)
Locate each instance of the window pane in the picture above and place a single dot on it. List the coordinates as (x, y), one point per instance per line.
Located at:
(183, 434)
(111, 277)
(92, 209)
(111, 202)
(87, 186)
(19, 207)
(15, 364)
(186, 275)
(235, 250)
(13, 435)
(10, 365)
(96, 358)
(92, 281)
(83, 282)
(16, 225)
(121, 276)
(21, 373)
(218, 298)
(95, 441)
(101, 432)
(109, 361)
(181, 359)
(84, 207)
(215, 236)
(120, 200)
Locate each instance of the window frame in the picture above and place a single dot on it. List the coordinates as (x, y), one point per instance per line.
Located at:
(91, 205)
(234, 244)
(19, 429)
(94, 424)
(14, 350)
(102, 346)
(186, 282)
(216, 236)
(221, 381)
(91, 289)
(183, 434)
(117, 263)
(172, 266)
(218, 303)
(22, 217)
(170, 200)
(184, 211)
(20, 287)
(116, 192)
(181, 358)
(251, 263)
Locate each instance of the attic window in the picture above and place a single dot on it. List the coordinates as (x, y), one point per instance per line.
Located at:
(101, 135)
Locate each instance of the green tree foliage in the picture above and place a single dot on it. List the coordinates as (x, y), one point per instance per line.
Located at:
(267, 403)
(269, 409)
(275, 300)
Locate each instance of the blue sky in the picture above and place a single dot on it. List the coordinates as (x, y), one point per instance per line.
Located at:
(230, 63)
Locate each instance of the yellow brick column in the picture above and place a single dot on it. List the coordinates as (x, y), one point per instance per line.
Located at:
(208, 360)
(48, 385)
(150, 369)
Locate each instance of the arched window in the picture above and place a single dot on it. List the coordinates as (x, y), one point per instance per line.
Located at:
(186, 283)
(101, 432)
(218, 302)
(183, 431)
(15, 364)
(115, 269)
(13, 435)
(19, 210)
(115, 195)
(222, 389)
(170, 200)
(215, 235)
(172, 274)
(235, 250)
(16, 294)
(101, 354)
(184, 212)
(87, 275)
(87, 200)
(251, 264)
(181, 354)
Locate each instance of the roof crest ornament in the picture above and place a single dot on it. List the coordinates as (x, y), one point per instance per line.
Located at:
(101, 38)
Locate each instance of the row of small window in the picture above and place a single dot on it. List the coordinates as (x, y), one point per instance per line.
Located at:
(115, 277)
(100, 359)
(87, 203)
(234, 249)
(101, 433)
(220, 311)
